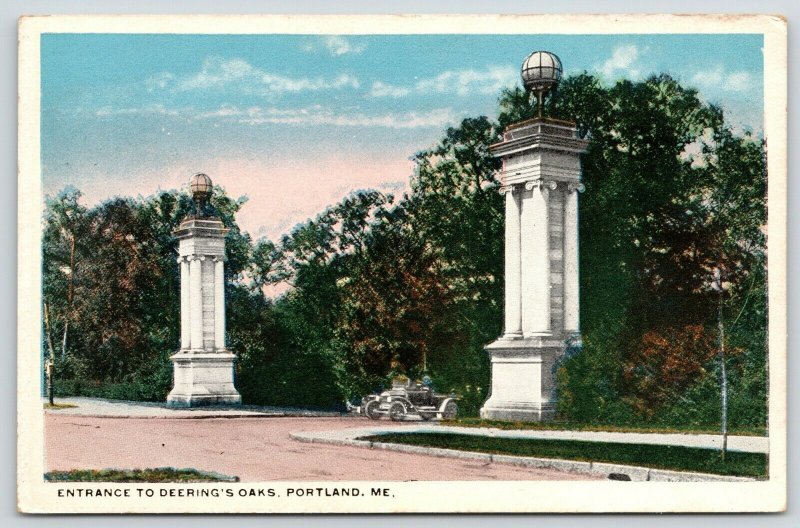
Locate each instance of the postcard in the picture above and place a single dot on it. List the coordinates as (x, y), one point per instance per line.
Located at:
(389, 264)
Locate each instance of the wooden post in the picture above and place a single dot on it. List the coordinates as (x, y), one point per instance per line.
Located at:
(50, 374)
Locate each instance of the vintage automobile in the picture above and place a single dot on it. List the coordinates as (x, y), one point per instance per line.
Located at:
(407, 397)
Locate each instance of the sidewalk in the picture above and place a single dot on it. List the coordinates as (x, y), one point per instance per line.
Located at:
(100, 408)
(748, 444)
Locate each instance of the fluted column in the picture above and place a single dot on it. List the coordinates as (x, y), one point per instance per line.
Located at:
(219, 303)
(196, 301)
(513, 264)
(571, 265)
(537, 238)
(186, 322)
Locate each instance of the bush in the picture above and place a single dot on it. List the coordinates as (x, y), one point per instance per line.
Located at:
(140, 386)
(301, 379)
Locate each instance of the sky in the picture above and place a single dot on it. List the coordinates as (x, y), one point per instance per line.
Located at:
(297, 122)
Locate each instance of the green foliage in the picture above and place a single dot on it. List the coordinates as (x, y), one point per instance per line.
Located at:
(165, 474)
(557, 425)
(148, 385)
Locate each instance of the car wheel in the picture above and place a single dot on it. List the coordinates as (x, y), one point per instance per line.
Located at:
(370, 409)
(397, 411)
(450, 410)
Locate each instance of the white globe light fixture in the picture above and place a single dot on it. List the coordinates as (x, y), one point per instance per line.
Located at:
(541, 72)
(201, 191)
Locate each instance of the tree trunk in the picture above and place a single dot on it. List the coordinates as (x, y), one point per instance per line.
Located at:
(64, 340)
(70, 295)
(47, 333)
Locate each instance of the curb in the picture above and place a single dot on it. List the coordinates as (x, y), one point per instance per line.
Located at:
(634, 473)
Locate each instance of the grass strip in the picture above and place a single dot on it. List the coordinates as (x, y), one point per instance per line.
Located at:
(59, 406)
(165, 474)
(574, 426)
(676, 458)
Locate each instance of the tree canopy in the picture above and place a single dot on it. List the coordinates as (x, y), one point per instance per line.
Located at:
(380, 285)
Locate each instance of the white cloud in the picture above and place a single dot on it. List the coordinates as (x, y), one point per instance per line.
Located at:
(316, 115)
(334, 45)
(460, 82)
(310, 115)
(159, 81)
(464, 82)
(337, 45)
(622, 63)
(155, 109)
(380, 89)
(719, 78)
(221, 112)
(279, 84)
(216, 73)
(240, 75)
(738, 81)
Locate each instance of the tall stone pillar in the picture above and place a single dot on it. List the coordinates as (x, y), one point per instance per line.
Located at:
(196, 300)
(186, 323)
(572, 326)
(513, 264)
(541, 165)
(203, 367)
(219, 307)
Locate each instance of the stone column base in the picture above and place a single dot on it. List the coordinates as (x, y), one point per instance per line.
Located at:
(523, 379)
(203, 378)
(517, 411)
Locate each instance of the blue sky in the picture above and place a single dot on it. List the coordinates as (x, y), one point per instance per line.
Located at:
(297, 121)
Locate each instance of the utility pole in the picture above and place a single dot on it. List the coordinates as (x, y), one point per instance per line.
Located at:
(50, 375)
(50, 364)
(723, 370)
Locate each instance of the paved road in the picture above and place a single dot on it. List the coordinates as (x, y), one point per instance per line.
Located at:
(254, 449)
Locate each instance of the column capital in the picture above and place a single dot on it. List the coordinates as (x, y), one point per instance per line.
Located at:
(507, 189)
(541, 184)
(181, 259)
(191, 258)
(575, 187)
(219, 258)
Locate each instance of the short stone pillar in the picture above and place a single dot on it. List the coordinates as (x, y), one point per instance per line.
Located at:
(203, 367)
(540, 180)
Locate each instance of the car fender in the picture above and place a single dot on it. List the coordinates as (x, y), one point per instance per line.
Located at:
(444, 404)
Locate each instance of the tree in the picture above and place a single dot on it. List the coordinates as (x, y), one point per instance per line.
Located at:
(392, 301)
(455, 210)
(63, 238)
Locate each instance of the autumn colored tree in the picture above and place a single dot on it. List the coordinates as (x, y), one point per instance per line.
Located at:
(666, 363)
(393, 299)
